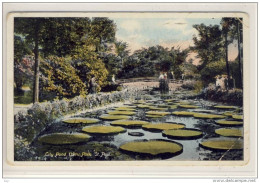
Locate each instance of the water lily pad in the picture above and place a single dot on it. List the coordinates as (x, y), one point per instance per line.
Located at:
(63, 138)
(229, 132)
(229, 123)
(144, 106)
(114, 117)
(153, 148)
(188, 106)
(136, 134)
(222, 145)
(174, 106)
(158, 113)
(125, 109)
(103, 130)
(224, 107)
(154, 116)
(183, 113)
(230, 114)
(183, 134)
(157, 108)
(239, 117)
(170, 100)
(129, 123)
(162, 126)
(81, 120)
(121, 113)
(208, 116)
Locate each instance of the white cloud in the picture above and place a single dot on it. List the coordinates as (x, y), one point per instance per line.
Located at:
(178, 24)
(130, 25)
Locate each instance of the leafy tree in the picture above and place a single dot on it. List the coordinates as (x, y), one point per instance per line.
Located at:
(208, 44)
(88, 64)
(60, 78)
(22, 64)
(232, 28)
(33, 30)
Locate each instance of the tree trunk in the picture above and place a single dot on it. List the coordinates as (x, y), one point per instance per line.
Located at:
(239, 56)
(227, 65)
(36, 69)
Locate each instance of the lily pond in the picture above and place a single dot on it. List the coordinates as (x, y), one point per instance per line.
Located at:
(149, 128)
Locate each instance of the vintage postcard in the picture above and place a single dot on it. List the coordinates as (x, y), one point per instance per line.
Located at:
(128, 87)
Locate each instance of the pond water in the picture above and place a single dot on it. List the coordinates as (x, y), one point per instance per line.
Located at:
(106, 147)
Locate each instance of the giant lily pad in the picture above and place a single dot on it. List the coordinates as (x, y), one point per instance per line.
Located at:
(162, 126)
(157, 108)
(121, 113)
(239, 117)
(184, 133)
(153, 148)
(157, 113)
(229, 132)
(154, 116)
(224, 107)
(188, 106)
(129, 123)
(114, 117)
(208, 116)
(103, 130)
(229, 123)
(230, 114)
(125, 109)
(222, 145)
(144, 106)
(183, 113)
(80, 120)
(173, 106)
(64, 138)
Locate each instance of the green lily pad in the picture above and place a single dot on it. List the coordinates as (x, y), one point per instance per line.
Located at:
(239, 117)
(230, 114)
(125, 109)
(80, 120)
(114, 117)
(121, 113)
(224, 107)
(188, 106)
(103, 130)
(144, 106)
(229, 132)
(158, 113)
(64, 138)
(158, 108)
(169, 100)
(129, 123)
(154, 116)
(174, 106)
(229, 123)
(162, 126)
(153, 148)
(208, 116)
(183, 113)
(222, 145)
(183, 134)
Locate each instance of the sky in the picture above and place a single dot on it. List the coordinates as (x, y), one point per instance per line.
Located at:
(167, 32)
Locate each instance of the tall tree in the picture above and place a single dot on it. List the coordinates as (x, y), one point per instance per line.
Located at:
(226, 23)
(33, 30)
(58, 36)
(208, 44)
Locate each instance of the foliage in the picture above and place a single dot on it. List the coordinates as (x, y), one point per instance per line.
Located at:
(151, 61)
(61, 78)
(162, 126)
(81, 120)
(208, 44)
(183, 133)
(211, 70)
(229, 132)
